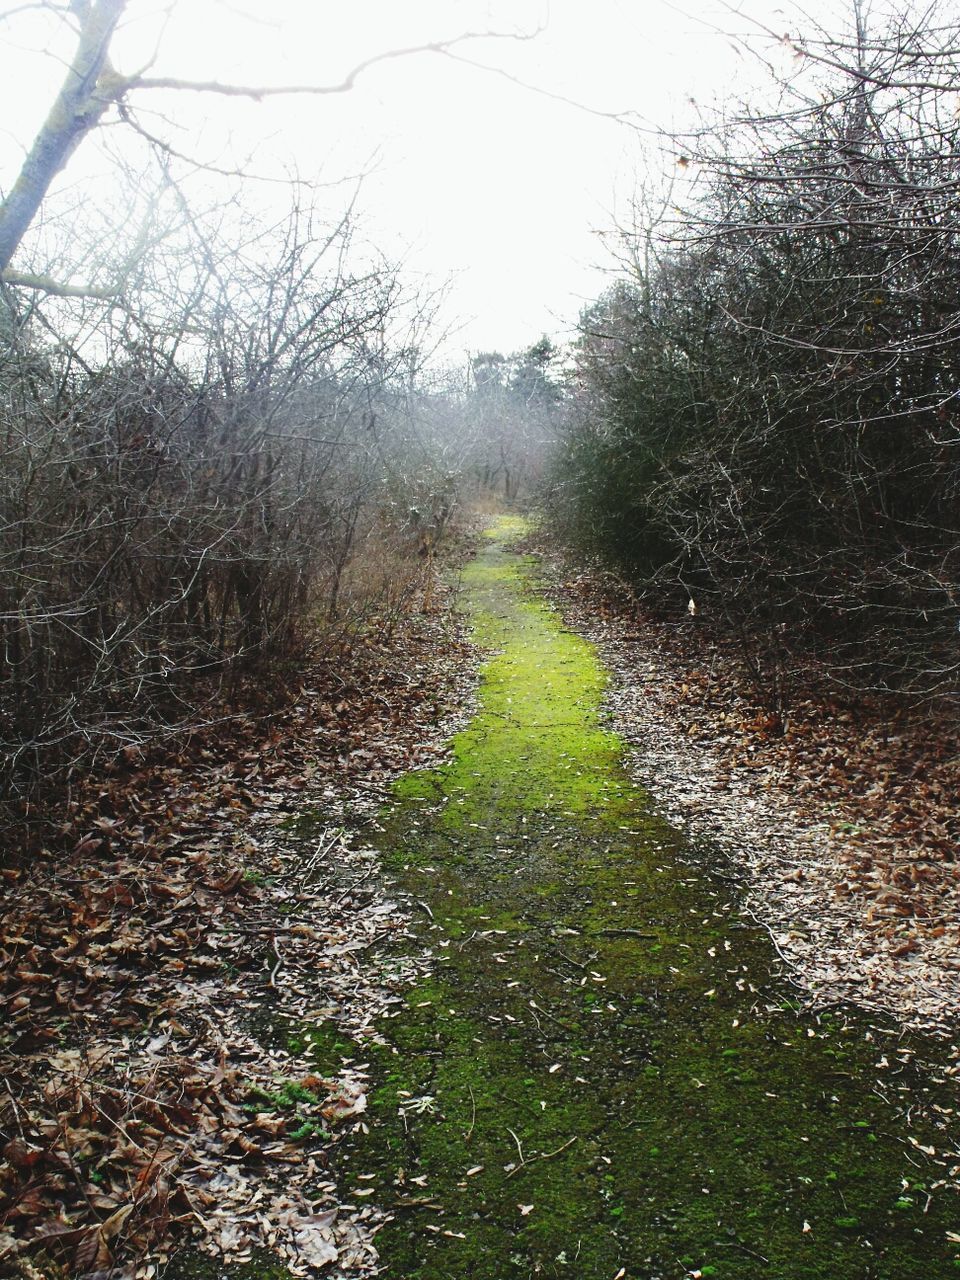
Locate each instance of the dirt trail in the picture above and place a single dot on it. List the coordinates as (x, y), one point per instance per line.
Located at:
(604, 1075)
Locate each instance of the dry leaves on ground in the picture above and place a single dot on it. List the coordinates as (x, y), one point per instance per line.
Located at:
(153, 961)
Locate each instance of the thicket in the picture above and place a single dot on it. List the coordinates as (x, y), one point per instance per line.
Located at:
(768, 414)
(197, 477)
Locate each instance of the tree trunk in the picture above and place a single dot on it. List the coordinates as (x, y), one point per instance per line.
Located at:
(86, 93)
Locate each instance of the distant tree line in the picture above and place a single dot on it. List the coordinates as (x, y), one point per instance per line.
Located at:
(514, 404)
(767, 413)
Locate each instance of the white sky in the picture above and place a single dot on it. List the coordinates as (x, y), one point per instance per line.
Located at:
(470, 176)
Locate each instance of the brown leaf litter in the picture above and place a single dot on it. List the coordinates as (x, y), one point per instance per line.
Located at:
(153, 962)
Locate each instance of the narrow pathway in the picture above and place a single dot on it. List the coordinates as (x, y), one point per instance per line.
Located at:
(604, 1076)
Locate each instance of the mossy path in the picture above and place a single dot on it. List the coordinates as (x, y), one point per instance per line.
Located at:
(604, 1077)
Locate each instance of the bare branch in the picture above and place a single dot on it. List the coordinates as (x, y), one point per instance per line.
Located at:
(259, 92)
(56, 288)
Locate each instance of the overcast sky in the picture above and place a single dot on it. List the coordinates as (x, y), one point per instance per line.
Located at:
(470, 176)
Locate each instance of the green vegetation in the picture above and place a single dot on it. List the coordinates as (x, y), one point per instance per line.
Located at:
(289, 1096)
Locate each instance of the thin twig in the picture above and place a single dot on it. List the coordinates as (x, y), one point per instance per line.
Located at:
(538, 1008)
(356, 885)
(277, 966)
(545, 1155)
(473, 1115)
(735, 1244)
(519, 1146)
(626, 933)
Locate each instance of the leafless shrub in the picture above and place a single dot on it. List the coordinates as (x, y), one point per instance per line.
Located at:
(186, 481)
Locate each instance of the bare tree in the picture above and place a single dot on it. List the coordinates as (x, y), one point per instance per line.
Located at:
(93, 87)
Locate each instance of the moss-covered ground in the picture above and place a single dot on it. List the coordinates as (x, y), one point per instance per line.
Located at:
(604, 1076)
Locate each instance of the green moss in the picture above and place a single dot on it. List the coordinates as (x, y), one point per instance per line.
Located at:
(191, 1264)
(293, 1100)
(604, 1038)
(287, 1096)
(323, 1043)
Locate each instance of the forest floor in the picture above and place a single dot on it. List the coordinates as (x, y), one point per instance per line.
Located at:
(187, 983)
(845, 828)
(225, 1024)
